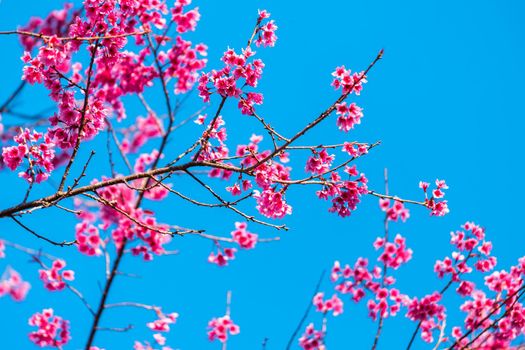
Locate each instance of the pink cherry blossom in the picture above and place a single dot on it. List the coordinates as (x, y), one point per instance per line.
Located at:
(245, 239)
(222, 256)
(88, 239)
(334, 304)
(355, 150)
(427, 311)
(345, 194)
(311, 339)
(162, 324)
(350, 83)
(11, 283)
(396, 211)
(186, 21)
(53, 331)
(220, 328)
(272, 204)
(319, 163)
(144, 129)
(53, 278)
(396, 253)
(437, 208)
(37, 149)
(348, 116)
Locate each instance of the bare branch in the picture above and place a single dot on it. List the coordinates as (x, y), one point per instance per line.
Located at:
(72, 38)
(60, 244)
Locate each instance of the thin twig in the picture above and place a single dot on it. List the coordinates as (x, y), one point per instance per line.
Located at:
(116, 329)
(385, 267)
(244, 215)
(72, 38)
(60, 244)
(306, 312)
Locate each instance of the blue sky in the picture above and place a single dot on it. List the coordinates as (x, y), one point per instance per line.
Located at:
(446, 102)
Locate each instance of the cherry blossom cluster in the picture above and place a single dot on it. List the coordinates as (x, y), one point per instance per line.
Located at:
(265, 34)
(320, 163)
(363, 279)
(348, 116)
(220, 328)
(334, 304)
(504, 311)
(53, 278)
(471, 246)
(311, 339)
(186, 21)
(271, 201)
(239, 71)
(34, 147)
(498, 331)
(345, 194)
(428, 312)
(117, 213)
(356, 281)
(215, 131)
(347, 81)
(229, 81)
(112, 73)
(12, 284)
(184, 63)
(88, 239)
(53, 24)
(355, 149)
(243, 237)
(52, 330)
(222, 255)
(394, 253)
(493, 321)
(140, 132)
(272, 204)
(438, 208)
(396, 211)
(156, 191)
(159, 340)
(162, 324)
(270, 198)
(91, 63)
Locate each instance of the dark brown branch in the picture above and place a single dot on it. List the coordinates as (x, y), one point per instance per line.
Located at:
(306, 312)
(72, 38)
(82, 118)
(60, 244)
(11, 98)
(121, 250)
(414, 334)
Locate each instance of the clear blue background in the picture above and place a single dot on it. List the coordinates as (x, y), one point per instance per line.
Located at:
(446, 101)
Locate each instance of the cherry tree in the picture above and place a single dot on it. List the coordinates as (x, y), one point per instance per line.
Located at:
(93, 59)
